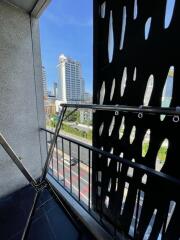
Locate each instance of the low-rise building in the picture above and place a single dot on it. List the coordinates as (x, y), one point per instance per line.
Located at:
(86, 116)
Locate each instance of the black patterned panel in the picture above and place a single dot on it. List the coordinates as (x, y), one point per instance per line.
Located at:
(136, 62)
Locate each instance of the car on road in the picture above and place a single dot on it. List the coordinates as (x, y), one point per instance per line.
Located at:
(74, 161)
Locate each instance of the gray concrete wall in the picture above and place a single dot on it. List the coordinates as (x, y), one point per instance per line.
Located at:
(21, 96)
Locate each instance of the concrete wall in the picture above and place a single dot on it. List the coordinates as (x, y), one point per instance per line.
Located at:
(21, 96)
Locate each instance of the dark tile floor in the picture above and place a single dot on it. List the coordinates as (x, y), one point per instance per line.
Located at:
(50, 221)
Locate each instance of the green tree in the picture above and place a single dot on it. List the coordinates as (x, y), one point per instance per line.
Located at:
(74, 117)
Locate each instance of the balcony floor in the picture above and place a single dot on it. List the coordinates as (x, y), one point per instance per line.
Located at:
(50, 221)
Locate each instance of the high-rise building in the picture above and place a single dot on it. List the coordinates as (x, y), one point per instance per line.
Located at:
(87, 97)
(71, 83)
(44, 79)
(55, 87)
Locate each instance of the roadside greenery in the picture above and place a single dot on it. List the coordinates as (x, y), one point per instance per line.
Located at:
(161, 153)
(88, 123)
(88, 134)
(52, 121)
(77, 132)
(74, 117)
(74, 131)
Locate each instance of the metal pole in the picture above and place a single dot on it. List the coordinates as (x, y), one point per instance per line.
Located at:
(29, 219)
(50, 153)
(16, 160)
(129, 109)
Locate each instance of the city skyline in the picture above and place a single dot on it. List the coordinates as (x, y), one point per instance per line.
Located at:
(61, 23)
(70, 81)
(44, 80)
(53, 92)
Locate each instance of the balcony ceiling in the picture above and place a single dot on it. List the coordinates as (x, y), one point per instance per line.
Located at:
(30, 6)
(26, 5)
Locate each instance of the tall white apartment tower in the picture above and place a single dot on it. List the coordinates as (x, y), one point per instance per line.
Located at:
(71, 83)
(44, 82)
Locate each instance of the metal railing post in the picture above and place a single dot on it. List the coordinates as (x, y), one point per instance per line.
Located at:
(50, 152)
(16, 160)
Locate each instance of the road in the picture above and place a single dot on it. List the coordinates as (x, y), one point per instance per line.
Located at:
(68, 174)
(84, 153)
(80, 187)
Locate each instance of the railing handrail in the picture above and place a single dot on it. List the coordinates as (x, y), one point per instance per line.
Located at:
(139, 166)
(124, 108)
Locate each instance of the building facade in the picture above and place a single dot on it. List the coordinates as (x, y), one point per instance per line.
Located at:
(86, 116)
(44, 80)
(87, 97)
(71, 83)
(55, 89)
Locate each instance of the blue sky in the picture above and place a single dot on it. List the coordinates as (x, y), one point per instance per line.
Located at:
(66, 27)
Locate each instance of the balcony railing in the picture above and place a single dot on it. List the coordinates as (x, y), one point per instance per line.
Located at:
(71, 167)
(146, 202)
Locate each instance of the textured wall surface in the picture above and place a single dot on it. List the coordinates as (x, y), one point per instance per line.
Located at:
(21, 95)
(136, 44)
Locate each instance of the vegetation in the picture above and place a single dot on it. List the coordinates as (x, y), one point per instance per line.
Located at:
(88, 123)
(171, 73)
(88, 135)
(74, 117)
(52, 121)
(77, 132)
(161, 153)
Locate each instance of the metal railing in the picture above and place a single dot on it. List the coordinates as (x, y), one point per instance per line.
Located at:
(173, 111)
(71, 167)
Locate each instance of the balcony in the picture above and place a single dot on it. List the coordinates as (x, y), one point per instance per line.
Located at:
(56, 187)
(69, 193)
(71, 168)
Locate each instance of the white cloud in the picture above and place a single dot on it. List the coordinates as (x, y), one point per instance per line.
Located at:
(64, 20)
